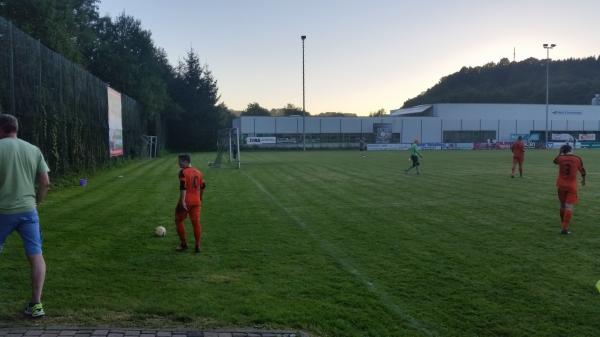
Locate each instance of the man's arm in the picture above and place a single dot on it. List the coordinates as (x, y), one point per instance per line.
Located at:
(182, 190)
(582, 172)
(43, 182)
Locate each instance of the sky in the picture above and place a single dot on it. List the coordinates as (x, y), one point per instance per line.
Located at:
(360, 56)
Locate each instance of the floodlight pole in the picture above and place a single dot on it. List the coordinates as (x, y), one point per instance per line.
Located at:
(547, 47)
(239, 160)
(303, 37)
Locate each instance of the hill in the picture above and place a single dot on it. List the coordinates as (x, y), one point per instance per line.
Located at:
(572, 81)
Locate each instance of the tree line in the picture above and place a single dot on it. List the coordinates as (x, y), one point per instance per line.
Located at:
(572, 81)
(182, 99)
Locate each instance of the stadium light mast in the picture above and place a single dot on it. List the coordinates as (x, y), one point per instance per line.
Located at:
(547, 46)
(303, 37)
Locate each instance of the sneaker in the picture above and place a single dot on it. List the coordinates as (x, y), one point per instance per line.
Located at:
(181, 247)
(512, 176)
(565, 232)
(197, 249)
(34, 310)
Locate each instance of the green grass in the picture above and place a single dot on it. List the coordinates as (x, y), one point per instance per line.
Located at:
(327, 242)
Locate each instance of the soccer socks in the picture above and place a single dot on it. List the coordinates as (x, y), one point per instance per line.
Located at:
(197, 233)
(562, 214)
(181, 232)
(567, 219)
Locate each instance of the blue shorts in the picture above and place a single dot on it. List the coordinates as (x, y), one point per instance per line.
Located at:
(27, 225)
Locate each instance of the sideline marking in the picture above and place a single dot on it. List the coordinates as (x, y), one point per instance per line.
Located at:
(347, 266)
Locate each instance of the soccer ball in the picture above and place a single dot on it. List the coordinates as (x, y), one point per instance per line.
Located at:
(160, 231)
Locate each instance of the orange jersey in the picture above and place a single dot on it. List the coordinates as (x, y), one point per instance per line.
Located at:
(518, 149)
(190, 180)
(568, 166)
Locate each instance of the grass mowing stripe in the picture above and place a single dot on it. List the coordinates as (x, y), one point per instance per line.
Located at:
(347, 265)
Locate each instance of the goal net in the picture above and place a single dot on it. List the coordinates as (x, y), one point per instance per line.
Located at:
(228, 148)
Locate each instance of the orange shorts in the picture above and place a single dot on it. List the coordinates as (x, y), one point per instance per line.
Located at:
(567, 196)
(181, 213)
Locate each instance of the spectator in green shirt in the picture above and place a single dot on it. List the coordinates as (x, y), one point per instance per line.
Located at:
(22, 166)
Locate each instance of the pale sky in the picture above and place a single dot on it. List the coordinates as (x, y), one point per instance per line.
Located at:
(360, 55)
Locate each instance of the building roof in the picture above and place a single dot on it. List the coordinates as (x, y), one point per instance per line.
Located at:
(419, 110)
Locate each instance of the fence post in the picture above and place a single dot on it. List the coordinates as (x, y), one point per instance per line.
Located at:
(12, 68)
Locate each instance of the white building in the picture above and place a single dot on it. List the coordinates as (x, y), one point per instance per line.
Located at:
(435, 123)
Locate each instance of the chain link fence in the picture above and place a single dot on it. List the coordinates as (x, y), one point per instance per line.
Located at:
(62, 108)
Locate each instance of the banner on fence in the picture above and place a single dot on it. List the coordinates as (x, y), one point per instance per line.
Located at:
(261, 140)
(432, 146)
(557, 145)
(587, 136)
(459, 146)
(387, 147)
(565, 137)
(115, 123)
(590, 145)
(383, 133)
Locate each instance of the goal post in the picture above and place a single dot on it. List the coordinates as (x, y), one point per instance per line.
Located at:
(228, 148)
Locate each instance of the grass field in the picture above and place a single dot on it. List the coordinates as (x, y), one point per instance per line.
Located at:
(328, 242)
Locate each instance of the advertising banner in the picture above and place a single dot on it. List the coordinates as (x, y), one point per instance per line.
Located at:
(557, 145)
(587, 137)
(115, 123)
(260, 140)
(383, 133)
(388, 147)
(565, 137)
(459, 146)
(432, 146)
(590, 145)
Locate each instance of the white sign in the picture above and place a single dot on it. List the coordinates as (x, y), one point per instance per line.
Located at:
(115, 123)
(261, 140)
(387, 147)
(587, 136)
(559, 144)
(562, 136)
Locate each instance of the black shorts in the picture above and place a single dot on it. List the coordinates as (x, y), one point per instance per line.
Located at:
(415, 160)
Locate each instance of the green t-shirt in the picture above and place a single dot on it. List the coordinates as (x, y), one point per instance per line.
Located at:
(414, 150)
(20, 162)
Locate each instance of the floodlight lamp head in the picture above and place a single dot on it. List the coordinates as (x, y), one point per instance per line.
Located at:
(303, 37)
(545, 45)
(552, 45)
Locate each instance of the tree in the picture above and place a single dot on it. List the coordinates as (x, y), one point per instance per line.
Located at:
(195, 91)
(336, 114)
(254, 109)
(289, 110)
(378, 113)
(124, 55)
(65, 26)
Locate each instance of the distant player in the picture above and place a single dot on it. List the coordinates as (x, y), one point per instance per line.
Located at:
(191, 186)
(415, 154)
(569, 164)
(518, 150)
(362, 146)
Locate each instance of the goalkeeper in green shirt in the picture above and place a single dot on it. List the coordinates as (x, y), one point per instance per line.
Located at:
(415, 154)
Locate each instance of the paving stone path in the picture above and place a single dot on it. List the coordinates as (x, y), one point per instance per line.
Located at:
(106, 332)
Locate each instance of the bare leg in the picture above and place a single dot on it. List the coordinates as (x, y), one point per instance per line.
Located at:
(38, 275)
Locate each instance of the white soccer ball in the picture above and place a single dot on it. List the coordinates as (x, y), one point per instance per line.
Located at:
(160, 231)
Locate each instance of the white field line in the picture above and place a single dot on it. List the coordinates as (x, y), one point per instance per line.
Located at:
(347, 265)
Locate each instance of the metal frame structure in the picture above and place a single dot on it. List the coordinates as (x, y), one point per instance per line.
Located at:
(151, 144)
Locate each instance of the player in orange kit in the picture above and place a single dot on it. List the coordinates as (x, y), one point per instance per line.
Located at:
(569, 164)
(518, 150)
(191, 186)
